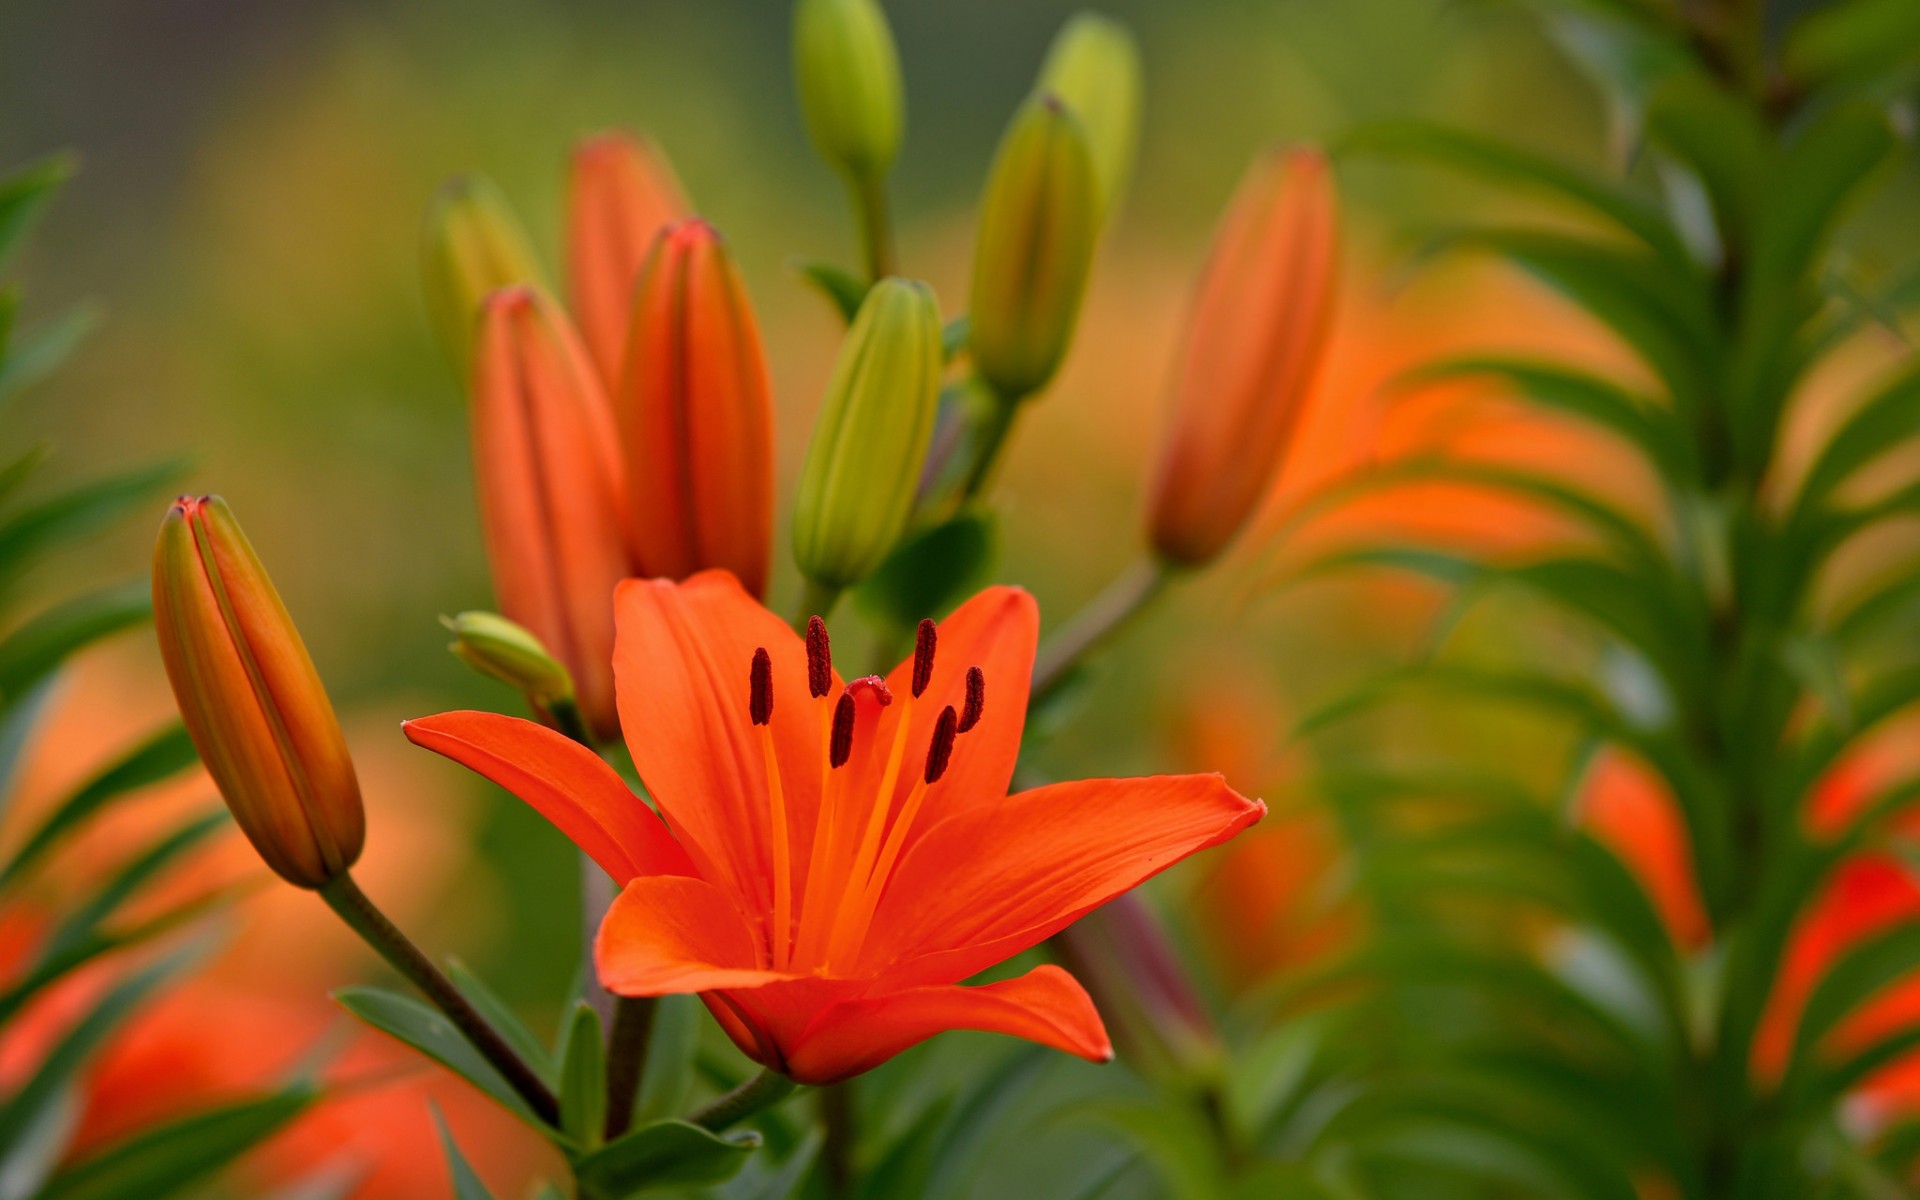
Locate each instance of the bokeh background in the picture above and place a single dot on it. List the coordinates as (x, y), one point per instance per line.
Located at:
(246, 223)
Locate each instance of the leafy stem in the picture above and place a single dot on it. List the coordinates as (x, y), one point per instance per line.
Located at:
(353, 906)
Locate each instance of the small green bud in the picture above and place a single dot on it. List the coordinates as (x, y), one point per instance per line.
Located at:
(848, 74)
(500, 649)
(863, 466)
(1094, 67)
(1038, 222)
(474, 245)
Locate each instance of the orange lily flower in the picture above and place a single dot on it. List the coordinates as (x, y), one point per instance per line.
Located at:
(620, 193)
(550, 488)
(832, 859)
(697, 414)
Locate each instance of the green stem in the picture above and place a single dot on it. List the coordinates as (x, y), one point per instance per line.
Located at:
(596, 889)
(344, 896)
(566, 718)
(869, 194)
(761, 1092)
(1090, 628)
(627, 1058)
(836, 1148)
(816, 601)
(989, 441)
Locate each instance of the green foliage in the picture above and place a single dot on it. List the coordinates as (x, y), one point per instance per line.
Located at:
(1539, 1028)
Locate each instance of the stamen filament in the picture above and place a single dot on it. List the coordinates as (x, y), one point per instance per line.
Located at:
(812, 925)
(782, 932)
(862, 865)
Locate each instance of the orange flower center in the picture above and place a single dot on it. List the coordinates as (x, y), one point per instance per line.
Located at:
(858, 838)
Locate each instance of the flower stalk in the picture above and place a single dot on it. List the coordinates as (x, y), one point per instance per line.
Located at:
(374, 928)
(1094, 625)
(755, 1096)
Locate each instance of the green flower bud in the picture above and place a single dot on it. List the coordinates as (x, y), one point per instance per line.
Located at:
(863, 466)
(1038, 222)
(848, 73)
(1094, 67)
(474, 245)
(500, 649)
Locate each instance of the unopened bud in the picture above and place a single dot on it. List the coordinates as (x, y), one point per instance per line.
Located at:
(863, 465)
(1038, 223)
(500, 649)
(848, 74)
(474, 245)
(620, 194)
(1255, 336)
(250, 697)
(1094, 67)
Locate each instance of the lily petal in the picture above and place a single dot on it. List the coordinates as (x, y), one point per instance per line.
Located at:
(992, 880)
(681, 659)
(667, 934)
(996, 631)
(565, 782)
(1045, 1005)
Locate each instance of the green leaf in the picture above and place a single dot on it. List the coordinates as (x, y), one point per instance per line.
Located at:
(1888, 417)
(1855, 978)
(31, 653)
(1717, 136)
(501, 1016)
(466, 1183)
(36, 354)
(429, 1031)
(25, 194)
(583, 1079)
(931, 571)
(842, 288)
(81, 511)
(667, 1078)
(70, 1054)
(159, 757)
(1500, 163)
(16, 473)
(906, 1166)
(1854, 39)
(83, 921)
(1641, 422)
(1174, 1140)
(1663, 316)
(163, 1161)
(665, 1154)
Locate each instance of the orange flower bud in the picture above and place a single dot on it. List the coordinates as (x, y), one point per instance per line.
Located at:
(620, 192)
(550, 488)
(1253, 341)
(250, 697)
(696, 414)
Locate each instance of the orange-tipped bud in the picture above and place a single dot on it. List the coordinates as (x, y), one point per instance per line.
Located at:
(696, 415)
(620, 192)
(550, 488)
(1254, 339)
(251, 698)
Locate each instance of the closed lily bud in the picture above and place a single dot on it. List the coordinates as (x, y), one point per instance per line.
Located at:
(848, 74)
(547, 470)
(696, 414)
(1128, 963)
(250, 697)
(1038, 223)
(1254, 339)
(474, 245)
(863, 465)
(620, 193)
(1094, 67)
(500, 649)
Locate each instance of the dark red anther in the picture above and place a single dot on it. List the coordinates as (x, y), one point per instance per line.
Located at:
(923, 658)
(940, 751)
(840, 740)
(760, 687)
(976, 704)
(819, 658)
